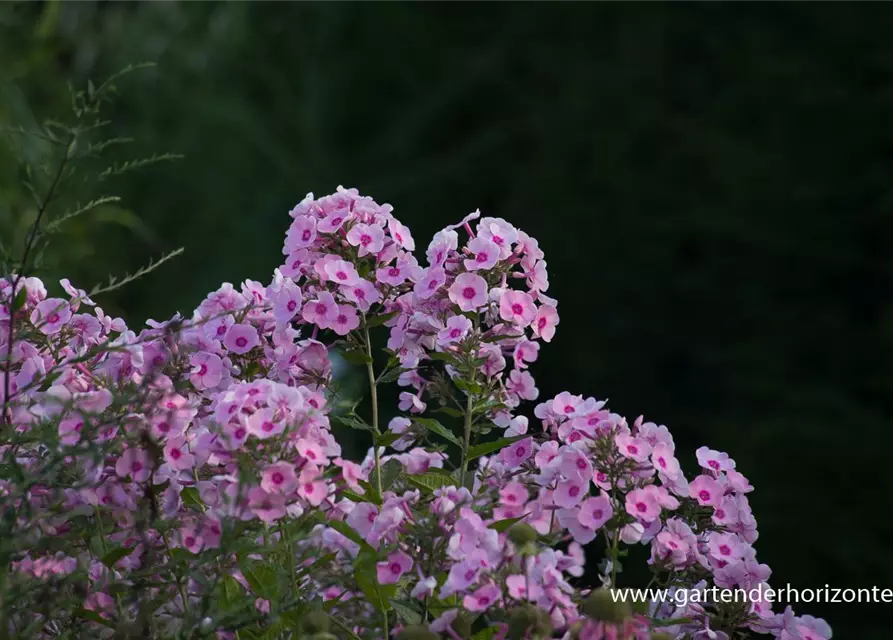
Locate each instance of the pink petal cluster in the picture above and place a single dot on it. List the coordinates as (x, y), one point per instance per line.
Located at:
(205, 444)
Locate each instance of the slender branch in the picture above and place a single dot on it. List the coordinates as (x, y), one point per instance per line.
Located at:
(466, 439)
(30, 239)
(373, 391)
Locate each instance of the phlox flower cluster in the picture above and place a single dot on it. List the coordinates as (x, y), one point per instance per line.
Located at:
(185, 479)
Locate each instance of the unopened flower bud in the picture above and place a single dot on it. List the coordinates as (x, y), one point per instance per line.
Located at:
(417, 632)
(522, 534)
(462, 626)
(528, 621)
(315, 622)
(603, 605)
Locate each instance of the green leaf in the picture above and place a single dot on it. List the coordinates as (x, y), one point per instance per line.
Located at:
(450, 411)
(229, 593)
(503, 525)
(489, 447)
(486, 634)
(431, 480)
(391, 375)
(356, 497)
(356, 356)
(670, 623)
(386, 438)
(112, 557)
(371, 491)
(467, 386)
(352, 421)
(191, 497)
(433, 425)
(389, 473)
(406, 611)
(92, 616)
(367, 578)
(443, 357)
(377, 321)
(261, 578)
(350, 533)
(496, 337)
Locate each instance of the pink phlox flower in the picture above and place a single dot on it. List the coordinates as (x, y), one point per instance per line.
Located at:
(390, 571)
(468, 291)
(485, 252)
(241, 338)
(517, 307)
(368, 237)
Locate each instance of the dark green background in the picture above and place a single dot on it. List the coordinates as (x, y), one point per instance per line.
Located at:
(711, 185)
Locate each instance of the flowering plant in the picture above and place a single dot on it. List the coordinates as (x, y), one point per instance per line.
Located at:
(184, 480)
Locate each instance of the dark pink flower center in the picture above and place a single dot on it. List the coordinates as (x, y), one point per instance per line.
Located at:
(241, 342)
(468, 293)
(278, 478)
(704, 495)
(517, 309)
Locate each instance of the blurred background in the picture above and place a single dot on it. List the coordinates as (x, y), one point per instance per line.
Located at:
(711, 185)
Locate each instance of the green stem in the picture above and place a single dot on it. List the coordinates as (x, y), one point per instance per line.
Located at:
(283, 531)
(373, 394)
(176, 575)
(347, 629)
(373, 391)
(466, 439)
